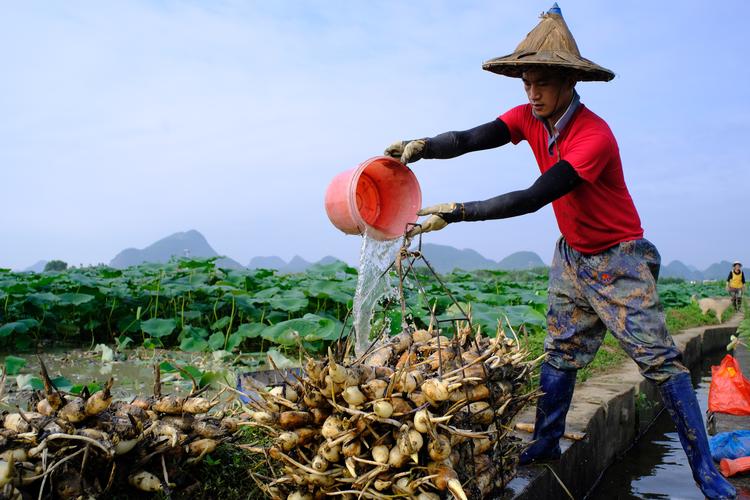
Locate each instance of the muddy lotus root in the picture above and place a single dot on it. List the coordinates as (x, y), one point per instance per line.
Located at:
(421, 415)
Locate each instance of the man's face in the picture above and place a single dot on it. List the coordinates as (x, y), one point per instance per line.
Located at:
(548, 92)
(737, 268)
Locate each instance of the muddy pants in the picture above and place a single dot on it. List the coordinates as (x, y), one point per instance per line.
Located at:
(613, 290)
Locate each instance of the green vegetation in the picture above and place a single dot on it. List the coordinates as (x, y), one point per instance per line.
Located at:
(679, 318)
(195, 305)
(742, 336)
(190, 304)
(228, 469)
(675, 293)
(55, 265)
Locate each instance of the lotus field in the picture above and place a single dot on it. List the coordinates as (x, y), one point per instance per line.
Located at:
(193, 305)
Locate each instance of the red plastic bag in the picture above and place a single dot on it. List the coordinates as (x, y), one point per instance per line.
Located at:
(730, 390)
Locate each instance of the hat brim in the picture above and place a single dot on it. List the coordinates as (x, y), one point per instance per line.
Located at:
(580, 68)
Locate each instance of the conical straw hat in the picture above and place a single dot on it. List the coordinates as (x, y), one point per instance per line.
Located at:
(549, 44)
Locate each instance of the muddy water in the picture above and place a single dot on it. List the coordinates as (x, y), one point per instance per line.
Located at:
(133, 370)
(656, 466)
(374, 259)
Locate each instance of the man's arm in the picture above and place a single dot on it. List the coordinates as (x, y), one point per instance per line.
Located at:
(451, 144)
(556, 182)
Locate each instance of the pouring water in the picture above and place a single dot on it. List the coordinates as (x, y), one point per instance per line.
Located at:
(374, 258)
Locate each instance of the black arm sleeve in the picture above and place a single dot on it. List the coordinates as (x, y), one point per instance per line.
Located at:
(559, 180)
(451, 144)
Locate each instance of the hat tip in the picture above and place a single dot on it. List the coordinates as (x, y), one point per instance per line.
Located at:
(555, 9)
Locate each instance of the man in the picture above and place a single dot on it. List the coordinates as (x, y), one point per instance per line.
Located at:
(603, 274)
(736, 284)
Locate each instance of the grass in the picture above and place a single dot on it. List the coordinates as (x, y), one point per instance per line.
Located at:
(690, 316)
(610, 354)
(225, 473)
(228, 472)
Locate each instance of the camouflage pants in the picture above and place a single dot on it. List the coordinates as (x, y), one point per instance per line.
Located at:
(613, 290)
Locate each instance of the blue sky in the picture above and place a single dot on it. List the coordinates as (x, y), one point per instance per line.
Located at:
(124, 122)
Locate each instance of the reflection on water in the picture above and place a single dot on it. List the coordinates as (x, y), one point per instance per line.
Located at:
(656, 467)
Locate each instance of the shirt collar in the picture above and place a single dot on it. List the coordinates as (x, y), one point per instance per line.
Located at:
(559, 127)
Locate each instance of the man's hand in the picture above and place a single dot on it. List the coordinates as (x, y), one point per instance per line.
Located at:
(436, 221)
(406, 151)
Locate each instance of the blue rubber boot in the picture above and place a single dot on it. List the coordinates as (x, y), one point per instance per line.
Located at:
(551, 408)
(679, 399)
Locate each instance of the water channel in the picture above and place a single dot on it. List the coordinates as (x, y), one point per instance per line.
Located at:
(656, 466)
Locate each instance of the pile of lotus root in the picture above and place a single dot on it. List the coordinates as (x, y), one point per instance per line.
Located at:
(84, 446)
(420, 415)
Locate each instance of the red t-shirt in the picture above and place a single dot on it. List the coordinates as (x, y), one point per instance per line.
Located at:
(599, 212)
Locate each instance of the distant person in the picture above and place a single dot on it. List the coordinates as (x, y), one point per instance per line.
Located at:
(736, 284)
(604, 273)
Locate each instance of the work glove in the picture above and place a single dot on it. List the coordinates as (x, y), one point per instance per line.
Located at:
(406, 151)
(440, 216)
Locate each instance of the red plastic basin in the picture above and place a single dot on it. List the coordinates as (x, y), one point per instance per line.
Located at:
(381, 196)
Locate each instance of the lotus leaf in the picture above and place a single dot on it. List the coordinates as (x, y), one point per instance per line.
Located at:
(193, 344)
(21, 326)
(74, 299)
(216, 341)
(158, 327)
(42, 299)
(13, 365)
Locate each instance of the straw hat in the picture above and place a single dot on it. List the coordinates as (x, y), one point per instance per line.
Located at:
(550, 44)
(737, 262)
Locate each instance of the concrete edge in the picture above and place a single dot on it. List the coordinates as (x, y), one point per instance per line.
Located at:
(613, 409)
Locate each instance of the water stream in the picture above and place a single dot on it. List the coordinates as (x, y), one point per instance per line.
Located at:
(374, 259)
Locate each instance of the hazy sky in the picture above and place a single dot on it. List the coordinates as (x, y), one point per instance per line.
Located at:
(124, 122)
